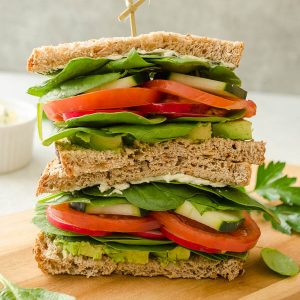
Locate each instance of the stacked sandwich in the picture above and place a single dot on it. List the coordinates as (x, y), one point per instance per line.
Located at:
(153, 150)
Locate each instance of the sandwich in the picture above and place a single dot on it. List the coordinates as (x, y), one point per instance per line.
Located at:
(153, 149)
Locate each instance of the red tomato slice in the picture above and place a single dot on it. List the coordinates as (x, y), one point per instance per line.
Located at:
(69, 227)
(198, 96)
(241, 240)
(185, 243)
(153, 234)
(113, 223)
(104, 99)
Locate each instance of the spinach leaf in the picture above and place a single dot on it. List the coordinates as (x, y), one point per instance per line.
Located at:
(235, 115)
(132, 61)
(150, 248)
(182, 64)
(279, 262)
(105, 119)
(225, 256)
(157, 196)
(222, 73)
(13, 292)
(289, 217)
(154, 133)
(107, 201)
(131, 240)
(75, 68)
(273, 185)
(70, 132)
(79, 85)
(238, 197)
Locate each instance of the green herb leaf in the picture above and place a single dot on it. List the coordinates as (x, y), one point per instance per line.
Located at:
(75, 68)
(289, 217)
(150, 248)
(106, 119)
(273, 185)
(13, 292)
(279, 262)
(78, 86)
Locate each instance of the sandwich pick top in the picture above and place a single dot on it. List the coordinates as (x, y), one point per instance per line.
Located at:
(155, 137)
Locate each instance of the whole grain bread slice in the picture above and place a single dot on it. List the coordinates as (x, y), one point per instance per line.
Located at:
(76, 160)
(54, 178)
(50, 58)
(52, 260)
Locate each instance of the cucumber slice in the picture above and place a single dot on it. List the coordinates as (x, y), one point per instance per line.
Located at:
(125, 82)
(116, 209)
(225, 221)
(209, 85)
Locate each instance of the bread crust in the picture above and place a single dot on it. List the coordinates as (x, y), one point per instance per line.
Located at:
(76, 160)
(52, 260)
(50, 58)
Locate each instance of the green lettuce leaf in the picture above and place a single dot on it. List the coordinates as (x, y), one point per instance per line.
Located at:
(106, 119)
(13, 292)
(75, 68)
(154, 133)
(79, 85)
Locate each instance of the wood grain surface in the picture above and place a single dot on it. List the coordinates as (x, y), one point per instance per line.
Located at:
(17, 263)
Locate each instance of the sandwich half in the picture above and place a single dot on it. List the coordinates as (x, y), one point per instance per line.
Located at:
(153, 150)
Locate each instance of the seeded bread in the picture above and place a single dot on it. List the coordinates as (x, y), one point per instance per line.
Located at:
(54, 179)
(52, 260)
(50, 58)
(76, 160)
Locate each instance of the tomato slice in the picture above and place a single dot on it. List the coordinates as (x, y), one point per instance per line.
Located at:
(241, 240)
(104, 99)
(113, 223)
(199, 96)
(70, 227)
(187, 244)
(153, 234)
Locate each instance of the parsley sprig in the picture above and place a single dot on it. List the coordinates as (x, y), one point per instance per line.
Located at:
(272, 185)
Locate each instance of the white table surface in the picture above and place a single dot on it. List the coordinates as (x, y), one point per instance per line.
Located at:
(277, 122)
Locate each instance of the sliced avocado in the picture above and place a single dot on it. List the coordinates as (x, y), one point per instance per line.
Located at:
(97, 142)
(128, 256)
(234, 130)
(225, 221)
(179, 253)
(201, 132)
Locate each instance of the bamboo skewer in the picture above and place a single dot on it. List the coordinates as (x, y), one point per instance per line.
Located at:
(129, 11)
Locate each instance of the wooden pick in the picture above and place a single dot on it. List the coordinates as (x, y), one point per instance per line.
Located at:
(129, 11)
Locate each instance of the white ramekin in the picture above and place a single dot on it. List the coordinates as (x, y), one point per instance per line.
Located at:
(16, 139)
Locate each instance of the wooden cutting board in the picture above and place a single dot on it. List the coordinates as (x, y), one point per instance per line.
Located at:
(17, 263)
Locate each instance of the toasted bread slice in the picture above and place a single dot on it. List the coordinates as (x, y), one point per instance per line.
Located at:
(50, 58)
(76, 160)
(52, 260)
(54, 178)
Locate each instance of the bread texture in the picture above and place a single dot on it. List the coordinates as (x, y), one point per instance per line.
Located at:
(54, 178)
(50, 58)
(76, 160)
(52, 260)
